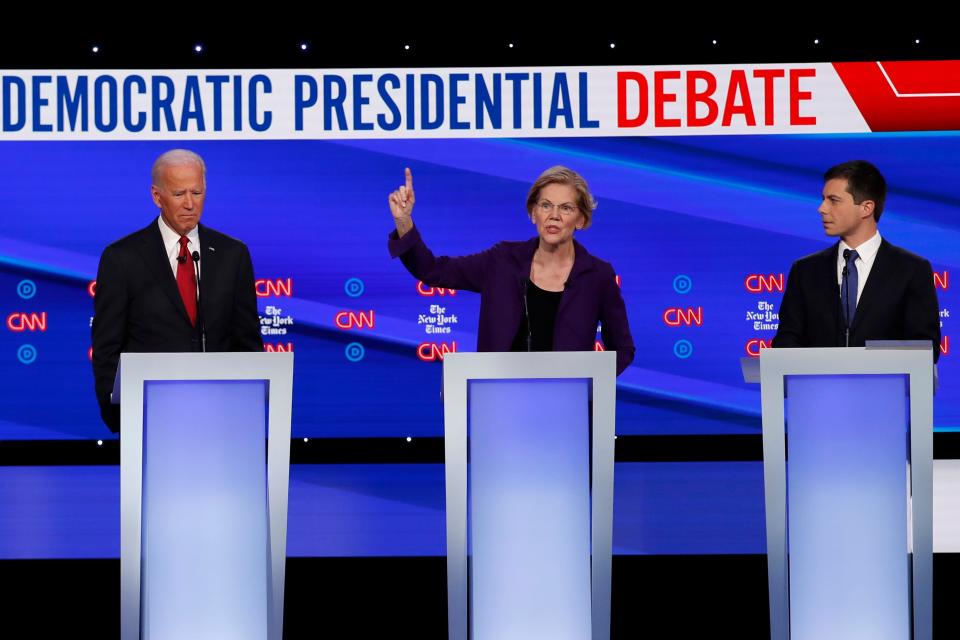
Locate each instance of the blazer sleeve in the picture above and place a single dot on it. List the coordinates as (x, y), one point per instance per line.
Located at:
(614, 326)
(921, 311)
(245, 330)
(461, 272)
(109, 325)
(790, 329)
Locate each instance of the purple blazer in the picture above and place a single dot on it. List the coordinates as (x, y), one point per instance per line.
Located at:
(591, 294)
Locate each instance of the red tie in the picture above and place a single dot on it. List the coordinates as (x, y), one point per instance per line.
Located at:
(187, 281)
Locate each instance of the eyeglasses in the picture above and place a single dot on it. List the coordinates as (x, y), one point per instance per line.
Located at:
(567, 209)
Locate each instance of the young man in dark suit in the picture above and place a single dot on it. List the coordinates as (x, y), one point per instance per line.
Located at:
(147, 298)
(862, 288)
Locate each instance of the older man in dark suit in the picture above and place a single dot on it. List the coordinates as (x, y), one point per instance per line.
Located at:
(862, 288)
(147, 296)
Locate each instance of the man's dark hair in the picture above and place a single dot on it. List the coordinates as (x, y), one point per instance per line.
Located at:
(864, 182)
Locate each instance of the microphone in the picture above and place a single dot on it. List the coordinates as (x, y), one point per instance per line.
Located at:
(845, 295)
(200, 324)
(526, 314)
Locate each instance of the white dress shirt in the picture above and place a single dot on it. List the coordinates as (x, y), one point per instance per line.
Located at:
(171, 243)
(866, 254)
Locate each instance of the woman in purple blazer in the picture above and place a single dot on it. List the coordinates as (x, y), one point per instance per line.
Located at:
(543, 294)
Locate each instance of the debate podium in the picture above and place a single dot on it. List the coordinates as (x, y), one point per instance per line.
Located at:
(529, 444)
(204, 472)
(848, 485)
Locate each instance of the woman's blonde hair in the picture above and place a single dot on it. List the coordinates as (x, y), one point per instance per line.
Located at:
(562, 175)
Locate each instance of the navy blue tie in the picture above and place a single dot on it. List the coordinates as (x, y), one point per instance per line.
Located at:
(850, 299)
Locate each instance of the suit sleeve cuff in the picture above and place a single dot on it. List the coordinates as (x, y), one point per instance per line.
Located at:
(399, 246)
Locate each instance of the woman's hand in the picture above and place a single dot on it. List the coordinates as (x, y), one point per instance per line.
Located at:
(401, 204)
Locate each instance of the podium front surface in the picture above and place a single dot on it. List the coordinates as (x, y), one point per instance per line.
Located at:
(529, 442)
(848, 482)
(202, 518)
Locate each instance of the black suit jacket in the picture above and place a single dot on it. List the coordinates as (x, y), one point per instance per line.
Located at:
(137, 306)
(899, 302)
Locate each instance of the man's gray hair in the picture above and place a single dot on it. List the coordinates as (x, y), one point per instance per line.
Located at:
(176, 157)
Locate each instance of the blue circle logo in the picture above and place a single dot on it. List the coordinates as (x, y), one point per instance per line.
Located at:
(27, 353)
(26, 289)
(683, 349)
(353, 287)
(682, 284)
(354, 352)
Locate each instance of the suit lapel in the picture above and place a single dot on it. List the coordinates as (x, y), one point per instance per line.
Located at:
(155, 257)
(830, 291)
(582, 263)
(871, 290)
(209, 264)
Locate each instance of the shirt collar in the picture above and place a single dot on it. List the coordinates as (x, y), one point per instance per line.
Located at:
(867, 251)
(171, 238)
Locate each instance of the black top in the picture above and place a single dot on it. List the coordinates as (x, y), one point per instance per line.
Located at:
(541, 309)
